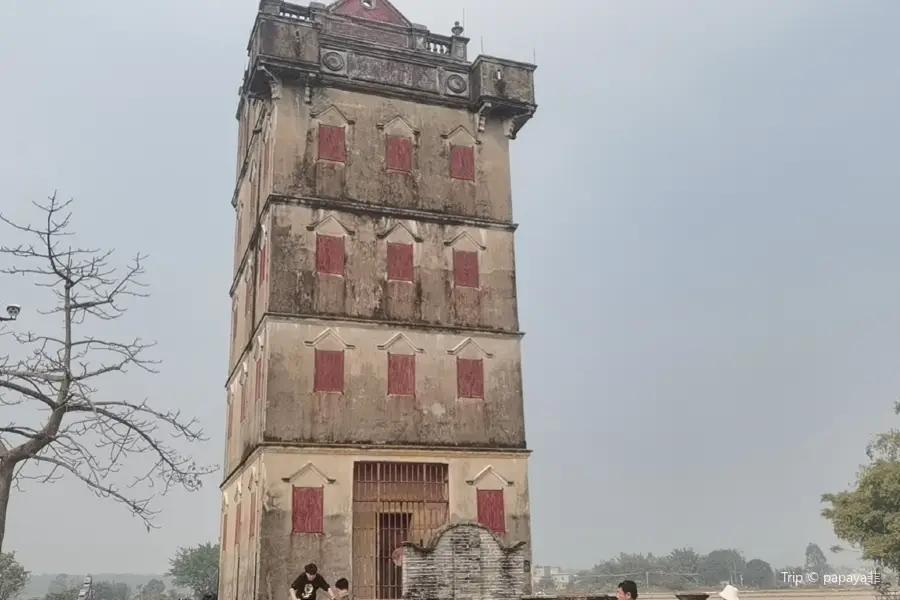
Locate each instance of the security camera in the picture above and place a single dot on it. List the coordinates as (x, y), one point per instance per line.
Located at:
(13, 310)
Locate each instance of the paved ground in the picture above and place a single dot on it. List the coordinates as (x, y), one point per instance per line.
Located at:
(860, 592)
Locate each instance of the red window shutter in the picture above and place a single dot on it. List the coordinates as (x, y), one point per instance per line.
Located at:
(398, 153)
(263, 257)
(308, 511)
(259, 378)
(491, 512)
(237, 526)
(224, 531)
(329, 375)
(401, 375)
(470, 378)
(252, 514)
(230, 416)
(331, 143)
(400, 262)
(462, 162)
(465, 269)
(244, 400)
(330, 255)
(264, 168)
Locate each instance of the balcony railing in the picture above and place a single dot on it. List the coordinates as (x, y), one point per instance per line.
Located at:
(438, 44)
(294, 12)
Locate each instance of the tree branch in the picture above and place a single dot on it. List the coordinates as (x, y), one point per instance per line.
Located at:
(140, 508)
(55, 379)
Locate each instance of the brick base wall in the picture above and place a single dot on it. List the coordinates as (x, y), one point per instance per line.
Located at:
(464, 560)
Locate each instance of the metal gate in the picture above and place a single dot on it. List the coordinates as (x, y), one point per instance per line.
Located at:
(393, 502)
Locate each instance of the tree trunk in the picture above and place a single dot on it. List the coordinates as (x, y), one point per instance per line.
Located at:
(6, 477)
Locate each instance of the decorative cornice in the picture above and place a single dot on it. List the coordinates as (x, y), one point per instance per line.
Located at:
(381, 210)
(373, 323)
(335, 42)
(410, 55)
(506, 62)
(383, 449)
(298, 73)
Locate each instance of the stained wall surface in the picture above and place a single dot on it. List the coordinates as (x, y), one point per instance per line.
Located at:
(263, 565)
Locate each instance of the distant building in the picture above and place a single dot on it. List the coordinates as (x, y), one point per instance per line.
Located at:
(559, 578)
(87, 589)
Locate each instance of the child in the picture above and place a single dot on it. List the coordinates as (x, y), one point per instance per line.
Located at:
(343, 589)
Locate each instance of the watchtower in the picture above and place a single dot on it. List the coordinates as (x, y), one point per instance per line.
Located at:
(375, 385)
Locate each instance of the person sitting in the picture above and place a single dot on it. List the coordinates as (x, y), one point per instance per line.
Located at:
(308, 584)
(343, 588)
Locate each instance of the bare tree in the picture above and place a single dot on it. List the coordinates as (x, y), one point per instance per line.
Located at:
(64, 424)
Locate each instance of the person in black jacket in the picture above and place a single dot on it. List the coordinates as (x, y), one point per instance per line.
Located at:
(308, 584)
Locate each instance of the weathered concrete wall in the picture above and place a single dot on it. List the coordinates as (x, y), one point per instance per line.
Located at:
(254, 172)
(365, 413)
(254, 183)
(281, 554)
(281, 158)
(239, 552)
(465, 560)
(292, 285)
(246, 405)
(364, 290)
(297, 43)
(367, 120)
(282, 406)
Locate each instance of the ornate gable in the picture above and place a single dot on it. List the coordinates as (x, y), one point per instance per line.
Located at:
(465, 241)
(329, 340)
(400, 232)
(328, 224)
(460, 136)
(493, 479)
(310, 470)
(380, 11)
(400, 344)
(469, 348)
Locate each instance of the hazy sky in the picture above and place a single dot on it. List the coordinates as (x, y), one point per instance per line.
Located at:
(708, 254)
